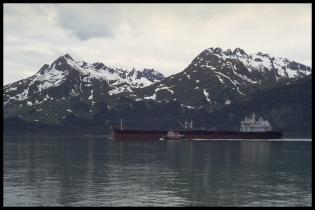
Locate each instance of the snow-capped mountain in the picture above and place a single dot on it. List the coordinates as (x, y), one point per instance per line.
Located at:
(216, 89)
(66, 78)
(68, 91)
(216, 78)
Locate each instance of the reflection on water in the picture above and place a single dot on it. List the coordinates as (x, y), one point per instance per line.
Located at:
(102, 172)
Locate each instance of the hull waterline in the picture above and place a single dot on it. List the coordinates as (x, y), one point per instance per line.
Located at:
(118, 134)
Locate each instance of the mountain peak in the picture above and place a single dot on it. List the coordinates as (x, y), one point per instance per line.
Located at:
(68, 56)
(148, 70)
(98, 65)
(263, 54)
(43, 69)
(217, 50)
(63, 59)
(228, 52)
(239, 51)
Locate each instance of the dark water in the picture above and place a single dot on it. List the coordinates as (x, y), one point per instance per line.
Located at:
(101, 172)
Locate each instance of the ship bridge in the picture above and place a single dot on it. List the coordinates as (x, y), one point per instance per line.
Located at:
(251, 125)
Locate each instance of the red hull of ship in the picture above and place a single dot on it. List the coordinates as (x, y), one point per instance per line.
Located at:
(193, 134)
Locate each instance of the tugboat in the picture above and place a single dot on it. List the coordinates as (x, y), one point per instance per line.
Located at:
(171, 135)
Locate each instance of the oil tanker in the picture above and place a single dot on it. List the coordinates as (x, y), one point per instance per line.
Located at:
(249, 129)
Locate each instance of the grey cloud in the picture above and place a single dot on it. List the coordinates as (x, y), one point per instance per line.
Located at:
(85, 23)
(163, 36)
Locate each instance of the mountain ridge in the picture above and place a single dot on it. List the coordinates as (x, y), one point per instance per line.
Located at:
(216, 77)
(71, 91)
(71, 76)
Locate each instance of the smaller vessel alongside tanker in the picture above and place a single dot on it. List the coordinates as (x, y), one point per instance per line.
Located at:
(171, 135)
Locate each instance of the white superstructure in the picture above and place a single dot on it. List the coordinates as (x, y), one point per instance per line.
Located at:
(251, 125)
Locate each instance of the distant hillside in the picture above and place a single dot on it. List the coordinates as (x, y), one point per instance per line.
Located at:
(288, 108)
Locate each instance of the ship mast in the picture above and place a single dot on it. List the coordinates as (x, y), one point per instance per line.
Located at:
(186, 124)
(183, 126)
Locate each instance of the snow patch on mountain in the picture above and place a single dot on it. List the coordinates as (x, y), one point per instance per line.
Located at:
(243, 77)
(238, 90)
(117, 90)
(207, 66)
(22, 96)
(164, 88)
(206, 95)
(227, 101)
(291, 73)
(153, 97)
(91, 98)
(11, 89)
(188, 107)
(232, 81)
(220, 79)
(73, 92)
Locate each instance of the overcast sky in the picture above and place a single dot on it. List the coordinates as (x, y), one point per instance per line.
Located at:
(166, 37)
